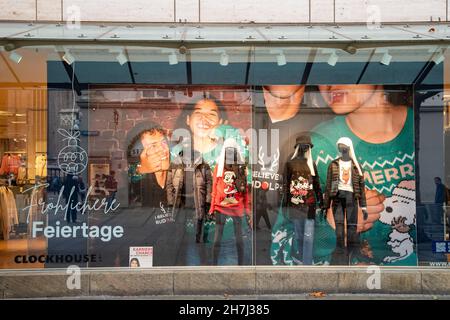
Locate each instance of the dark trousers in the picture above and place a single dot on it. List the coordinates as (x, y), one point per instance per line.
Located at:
(190, 253)
(299, 231)
(71, 214)
(262, 210)
(220, 224)
(344, 204)
(200, 232)
(262, 213)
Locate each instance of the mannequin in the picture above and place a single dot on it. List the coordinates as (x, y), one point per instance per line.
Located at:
(302, 189)
(345, 190)
(229, 197)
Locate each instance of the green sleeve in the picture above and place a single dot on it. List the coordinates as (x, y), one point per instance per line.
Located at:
(225, 132)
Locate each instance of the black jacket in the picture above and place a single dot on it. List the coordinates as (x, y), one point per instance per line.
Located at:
(202, 187)
(333, 184)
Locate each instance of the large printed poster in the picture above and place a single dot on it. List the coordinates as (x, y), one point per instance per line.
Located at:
(379, 125)
(239, 175)
(180, 191)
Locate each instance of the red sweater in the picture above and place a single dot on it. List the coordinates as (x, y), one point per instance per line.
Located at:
(223, 190)
(10, 164)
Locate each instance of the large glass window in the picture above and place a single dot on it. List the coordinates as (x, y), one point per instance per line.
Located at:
(145, 157)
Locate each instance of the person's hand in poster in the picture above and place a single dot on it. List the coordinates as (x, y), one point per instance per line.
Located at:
(155, 156)
(374, 208)
(211, 216)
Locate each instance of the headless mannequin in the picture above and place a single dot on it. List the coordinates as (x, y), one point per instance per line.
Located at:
(345, 156)
(345, 209)
(199, 230)
(308, 234)
(303, 191)
(231, 164)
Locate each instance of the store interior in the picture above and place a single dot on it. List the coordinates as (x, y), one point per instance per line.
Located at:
(23, 155)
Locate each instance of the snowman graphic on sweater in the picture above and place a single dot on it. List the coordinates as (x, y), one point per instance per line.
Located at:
(400, 212)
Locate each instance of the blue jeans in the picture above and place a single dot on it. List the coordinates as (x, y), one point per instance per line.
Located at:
(304, 234)
(228, 254)
(191, 253)
(194, 254)
(308, 242)
(227, 251)
(299, 230)
(239, 241)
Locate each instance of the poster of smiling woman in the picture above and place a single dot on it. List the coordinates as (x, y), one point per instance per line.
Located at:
(163, 143)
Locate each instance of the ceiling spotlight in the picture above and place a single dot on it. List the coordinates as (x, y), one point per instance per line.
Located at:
(281, 59)
(9, 46)
(182, 49)
(438, 58)
(68, 57)
(14, 56)
(173, 58)
(332, 60)
(224, 59)
(122, 58)
(386, 59)
(351, 49)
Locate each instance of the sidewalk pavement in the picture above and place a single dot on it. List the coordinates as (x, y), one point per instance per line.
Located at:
(313, 296)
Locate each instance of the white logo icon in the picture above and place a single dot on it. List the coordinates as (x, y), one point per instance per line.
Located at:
(273, 160)
(74, 280)
(374, 281)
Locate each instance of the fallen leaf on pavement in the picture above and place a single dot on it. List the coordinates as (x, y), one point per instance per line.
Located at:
(317, 294)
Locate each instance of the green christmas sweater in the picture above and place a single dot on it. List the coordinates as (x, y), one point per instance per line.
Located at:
(388, 169)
